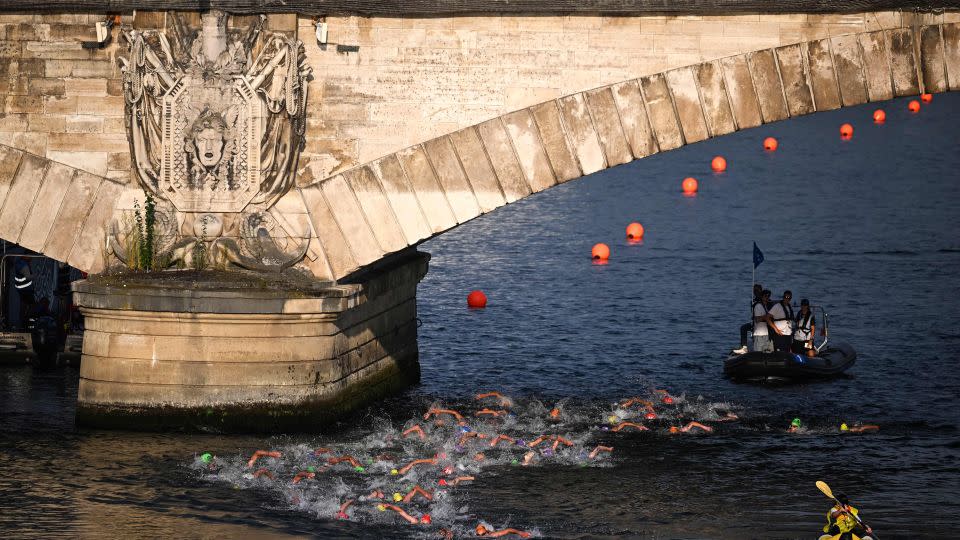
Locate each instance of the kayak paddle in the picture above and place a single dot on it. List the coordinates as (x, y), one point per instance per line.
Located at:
(822, 486)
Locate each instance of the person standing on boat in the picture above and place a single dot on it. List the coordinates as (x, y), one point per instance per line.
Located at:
(757, 292)
(804, 329)
(762, 322)
(782, 314)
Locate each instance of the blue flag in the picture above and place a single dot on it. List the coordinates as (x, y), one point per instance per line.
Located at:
(757, 255)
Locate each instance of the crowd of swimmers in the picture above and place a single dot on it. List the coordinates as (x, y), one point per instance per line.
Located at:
(777, 326)
(410, 472)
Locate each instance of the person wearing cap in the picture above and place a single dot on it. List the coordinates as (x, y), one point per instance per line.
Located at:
(805, 327)
(782, 315)
(762, 322)
(757, 291)
(842, 520)
(795, 426)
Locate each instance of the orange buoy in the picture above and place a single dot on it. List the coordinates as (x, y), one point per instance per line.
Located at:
(600, 252)
(719, 164)
(846, 131)
(689, 186)
(914, 106)
(926, 98)
(476, 299)
(770, 144)
(879, 116)
(634, 231)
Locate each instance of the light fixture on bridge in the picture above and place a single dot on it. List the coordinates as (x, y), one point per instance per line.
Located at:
(104, 35)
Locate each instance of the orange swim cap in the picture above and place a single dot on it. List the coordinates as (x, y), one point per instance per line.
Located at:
(674, 429)
(481, 530)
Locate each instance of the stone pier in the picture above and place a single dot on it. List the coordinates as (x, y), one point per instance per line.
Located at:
(233, 353)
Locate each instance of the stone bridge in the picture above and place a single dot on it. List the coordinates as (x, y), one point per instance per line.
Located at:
(412, 125)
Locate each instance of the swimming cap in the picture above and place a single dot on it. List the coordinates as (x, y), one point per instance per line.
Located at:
(650, 416)
(394, 471)
(668, 400)
(425, 519)
(674, 429)
(843, 427)
(612, 419)
(206, 457)
(795, 423)
(481, 530)
(397, 497)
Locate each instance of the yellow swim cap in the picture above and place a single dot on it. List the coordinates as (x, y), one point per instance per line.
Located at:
(397, 497)
(843, 427)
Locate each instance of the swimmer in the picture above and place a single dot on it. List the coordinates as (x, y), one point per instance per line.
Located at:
(471, 435)
(528, 458)
(438, 412)
(410, 519)
(482, 530)
(349, 459)
(479, 456)
(374, 495)
(555, 438)
(417, 490)
(415, 430)
(496, 440)
(263, 472)
(795, 426)
(459, 479)
(690, 426)
(322, 451)
(490, 412)
(727, 417)
(262, 453)
(406, 468)
(624, 425)
(862, 428)
(502, 399)
(342, 514)
(598, 449)
(638, 401)
(303, 474)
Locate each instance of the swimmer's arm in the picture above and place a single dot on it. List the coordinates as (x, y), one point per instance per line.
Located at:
(499, 438)
(259, 454)
(417, 490)
(263, 472)
(415, 429)
(406, 468)
(599, 449)
(459, 479)
(401, 513)
(538, 440)
(301, 475)
(504, 532)
(696, 424)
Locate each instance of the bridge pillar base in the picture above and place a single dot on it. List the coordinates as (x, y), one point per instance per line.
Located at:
(228, 352)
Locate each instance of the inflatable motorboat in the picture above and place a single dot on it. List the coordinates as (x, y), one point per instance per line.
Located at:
(829, 362)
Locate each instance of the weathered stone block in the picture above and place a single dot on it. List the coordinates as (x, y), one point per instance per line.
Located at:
(335, 249)
(686, 100)
(633, 117)
(555, 142)
(931, 60)
(663, 119)
(9, 164)
(425, 184)
(503, 159)
(713, 96)
(73, 212)
(47, 87)
(876, 66)
(794, 72)
(766, 78)
(452, 178)
(23, 189)
(45, 209)
(903, 65)
(377, 210)
(823, 76)
(477, 167)
(402, 198)
(849, 68)
(87, 253)
(581, 133)
(22, 104)
(951, 54)
(530, 153)
(346, 211)
(742, 94)
(606, 121)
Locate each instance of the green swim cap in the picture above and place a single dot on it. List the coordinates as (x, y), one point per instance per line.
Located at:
(795, 423)
(311, 469)
(206, 457)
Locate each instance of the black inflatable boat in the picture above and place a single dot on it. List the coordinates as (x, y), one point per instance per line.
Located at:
(830, 361)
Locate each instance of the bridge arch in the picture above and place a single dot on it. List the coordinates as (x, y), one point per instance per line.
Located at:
(371, 211)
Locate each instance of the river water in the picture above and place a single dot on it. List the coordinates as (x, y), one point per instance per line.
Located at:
(866, 228)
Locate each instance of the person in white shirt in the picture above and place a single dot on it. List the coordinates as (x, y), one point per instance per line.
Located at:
(805, 329)
(782, 315)
(761, 324)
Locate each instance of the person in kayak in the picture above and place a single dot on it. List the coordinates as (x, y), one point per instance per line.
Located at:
(757, 292)
(842, 520)
(762, 323)
(782, 315)
(805, 328)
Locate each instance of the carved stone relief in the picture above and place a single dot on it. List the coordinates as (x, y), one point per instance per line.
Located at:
(215, 118)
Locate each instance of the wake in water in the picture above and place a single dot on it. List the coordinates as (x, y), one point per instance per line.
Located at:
(414, 474)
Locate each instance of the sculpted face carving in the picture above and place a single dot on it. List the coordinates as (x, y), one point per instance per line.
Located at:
(209, 146)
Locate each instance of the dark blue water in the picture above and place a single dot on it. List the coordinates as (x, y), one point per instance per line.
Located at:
(866, 228)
